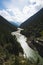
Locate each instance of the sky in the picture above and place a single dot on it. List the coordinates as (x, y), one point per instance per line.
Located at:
(19, 10)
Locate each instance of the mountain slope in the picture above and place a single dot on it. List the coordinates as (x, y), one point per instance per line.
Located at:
(34, 21)
(6, 26)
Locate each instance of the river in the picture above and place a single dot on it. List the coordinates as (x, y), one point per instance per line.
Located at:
(29, 53)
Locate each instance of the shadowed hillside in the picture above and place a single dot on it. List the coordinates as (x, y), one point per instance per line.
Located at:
(36, 21)
(6, 26)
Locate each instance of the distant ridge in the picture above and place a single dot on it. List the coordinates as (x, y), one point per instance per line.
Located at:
(17, 24)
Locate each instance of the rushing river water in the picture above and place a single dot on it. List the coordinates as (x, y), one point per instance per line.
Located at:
(31, 54)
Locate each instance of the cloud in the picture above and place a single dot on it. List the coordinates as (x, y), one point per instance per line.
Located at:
(29, 11)
(19, 10)
(21, 16)
(6, 15)
(18, 15)
(37, 2)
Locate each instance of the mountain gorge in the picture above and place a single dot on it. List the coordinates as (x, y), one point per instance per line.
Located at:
(14, 42)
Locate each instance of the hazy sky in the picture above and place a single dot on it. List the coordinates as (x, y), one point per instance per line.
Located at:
(19, 10)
